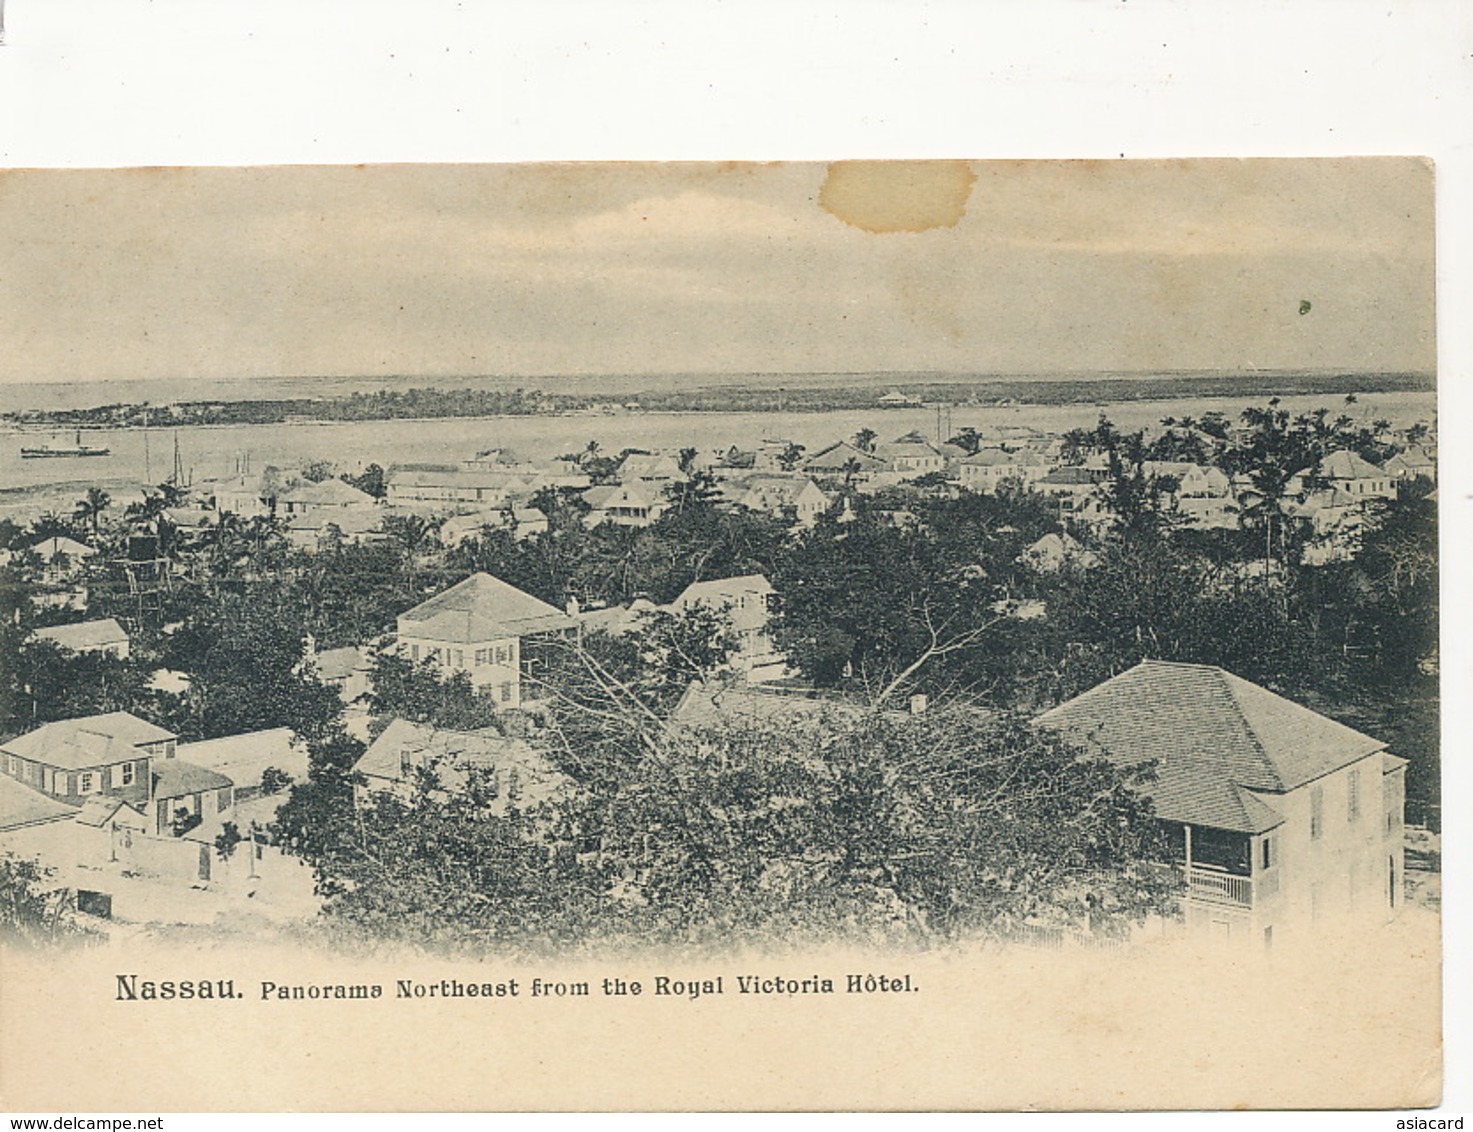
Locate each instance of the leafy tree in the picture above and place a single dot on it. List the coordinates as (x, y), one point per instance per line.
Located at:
(867, 827)
(57, 683)
(317, 471)
(31, 913)
(372, 480)
(244, 656)
(419, 691)
(864, 439)
(790, 457)
(227, 839)
(968, 439)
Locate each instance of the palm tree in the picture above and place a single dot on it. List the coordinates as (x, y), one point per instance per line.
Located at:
(90, 509)
(414, 534)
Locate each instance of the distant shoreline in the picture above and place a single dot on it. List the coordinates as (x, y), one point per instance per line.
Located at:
(424, 403)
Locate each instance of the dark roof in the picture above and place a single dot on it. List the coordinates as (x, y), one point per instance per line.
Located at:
(482, 608)
(173, 778)
(93, 740)
(1214, 737)
(1071, 476)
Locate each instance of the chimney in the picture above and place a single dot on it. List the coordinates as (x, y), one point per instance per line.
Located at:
(917, 703)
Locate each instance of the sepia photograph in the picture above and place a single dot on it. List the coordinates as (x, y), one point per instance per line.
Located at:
(526, 567)
(533, 626)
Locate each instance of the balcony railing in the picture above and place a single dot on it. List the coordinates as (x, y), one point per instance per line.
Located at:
(1212, 887)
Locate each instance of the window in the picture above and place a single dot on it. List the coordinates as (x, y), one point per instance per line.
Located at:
(460, 658)
(86, 782)
(12, 766)
(405, 764)
(413, 652)
(506, 691)
(1352, 795)
(481, 657)
(223, 802)
(127, 774)
(503, 654)
(1316, 812)
(1268, 853)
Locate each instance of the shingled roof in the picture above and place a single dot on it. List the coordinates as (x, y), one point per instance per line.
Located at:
(93, 740)
(1220, 742)
(21, 806)
(482, 608)
(175, 779)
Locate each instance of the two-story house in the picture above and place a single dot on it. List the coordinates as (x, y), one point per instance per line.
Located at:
(638, 503)
(73, 759)
(1347, 472)
(1278, 817)
(745, 600)
(476, 627)
(987, 469)
(795, 498)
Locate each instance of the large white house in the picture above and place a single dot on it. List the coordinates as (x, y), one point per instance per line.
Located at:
(476, 627)
(1279, 818)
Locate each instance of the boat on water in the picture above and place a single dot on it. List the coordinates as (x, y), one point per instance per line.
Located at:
(77, 449)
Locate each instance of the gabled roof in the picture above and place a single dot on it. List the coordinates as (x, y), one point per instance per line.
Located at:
(93, 740)
(174, 778)
(85, 634)
(647, 465)
(1071, 476)
(420, 745)
(49, 548)
(244, 758)
(99, 809)
(722, 590)
(22, 806)
(1213, 736)
(635, 493)
(330, 493)
(617, 619)
(482, 608)
(349, 520)
(1346, 465)
(905, 449)
(836, 457)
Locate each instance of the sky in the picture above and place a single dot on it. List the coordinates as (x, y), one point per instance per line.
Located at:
(982, 267)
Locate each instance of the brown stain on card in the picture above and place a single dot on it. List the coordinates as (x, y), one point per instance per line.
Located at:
(897, 196)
